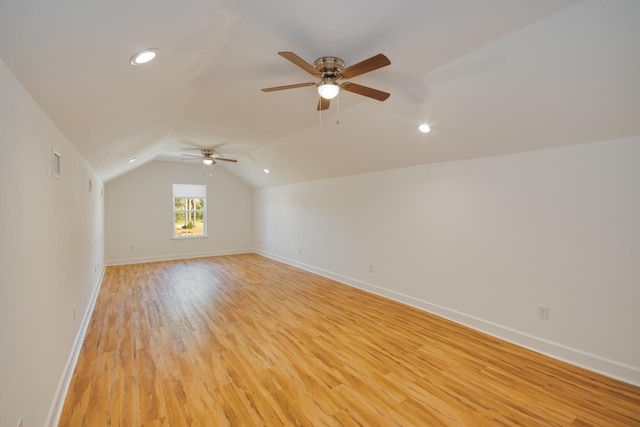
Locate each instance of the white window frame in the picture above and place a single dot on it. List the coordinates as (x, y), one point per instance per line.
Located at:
(189, 191)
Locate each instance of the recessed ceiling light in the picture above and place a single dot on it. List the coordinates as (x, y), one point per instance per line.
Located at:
(143, 56)
(266, 171)
(424, 128)
(131, 160)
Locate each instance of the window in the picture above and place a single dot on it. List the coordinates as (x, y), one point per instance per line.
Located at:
(189, 210)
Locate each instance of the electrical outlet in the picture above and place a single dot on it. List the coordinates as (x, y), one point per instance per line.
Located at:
(543, 311)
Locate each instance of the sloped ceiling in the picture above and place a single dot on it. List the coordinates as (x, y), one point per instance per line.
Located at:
(491, 77)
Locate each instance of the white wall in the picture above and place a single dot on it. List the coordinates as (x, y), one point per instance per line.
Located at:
(139, 214)
(51, 256)
(483, 242)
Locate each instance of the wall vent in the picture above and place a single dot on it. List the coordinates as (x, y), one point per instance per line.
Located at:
(56, 164)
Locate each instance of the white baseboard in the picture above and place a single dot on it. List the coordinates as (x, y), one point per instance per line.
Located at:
(63, 385)
(172, 257)
(610, 368)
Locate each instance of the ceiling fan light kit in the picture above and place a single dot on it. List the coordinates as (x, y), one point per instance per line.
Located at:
(332, 71)
(424, 128)
(328, 90)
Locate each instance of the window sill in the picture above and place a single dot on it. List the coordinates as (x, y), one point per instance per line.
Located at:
(189, 237)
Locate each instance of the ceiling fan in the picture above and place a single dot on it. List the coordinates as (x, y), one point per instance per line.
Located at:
(332, 71)
(208, 156)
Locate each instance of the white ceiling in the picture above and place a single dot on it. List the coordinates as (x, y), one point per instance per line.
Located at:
(491, 77)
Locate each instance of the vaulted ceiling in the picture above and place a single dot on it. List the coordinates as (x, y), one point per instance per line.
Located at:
(491, 77)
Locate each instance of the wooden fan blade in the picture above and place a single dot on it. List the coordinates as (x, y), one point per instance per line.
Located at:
(373, 63)
(300, 63)
(191, 155)
(225, 159)
(323, 104)
(297, 85)
(365, 91)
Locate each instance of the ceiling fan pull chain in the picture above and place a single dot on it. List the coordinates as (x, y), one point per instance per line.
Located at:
(320, 117)
(338, 109)
(204, 169)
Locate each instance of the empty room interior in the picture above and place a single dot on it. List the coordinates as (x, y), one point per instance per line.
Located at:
(251, 213)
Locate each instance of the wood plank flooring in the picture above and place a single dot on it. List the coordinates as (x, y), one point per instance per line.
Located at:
(246, 341)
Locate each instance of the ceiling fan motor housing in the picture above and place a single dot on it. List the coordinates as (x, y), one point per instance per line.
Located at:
(329, 66)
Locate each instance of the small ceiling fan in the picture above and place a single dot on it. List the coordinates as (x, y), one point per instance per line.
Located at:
(332, 71)
(208, 156)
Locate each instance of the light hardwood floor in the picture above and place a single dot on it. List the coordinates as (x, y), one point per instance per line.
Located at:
(246, 341)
